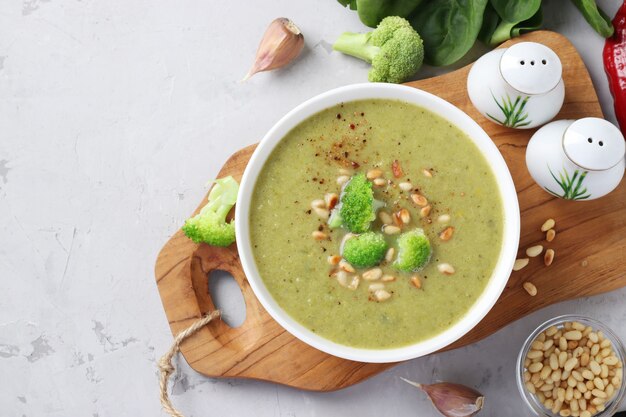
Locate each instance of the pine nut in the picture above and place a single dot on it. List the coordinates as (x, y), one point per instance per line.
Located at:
(334, 259)
(425, 211)
(379, 182)
(598, 383)
(374, 173)
(388, 278)
(610, 360)
(444, 218)
(427, 173)
(373, 274)
(342, 278)
(345, 266)
(415, 280)
(396, 169)
(354, 284)
(405, 186)
(446, 234)
(547, 225)
(391, 230)
(550, 235)
(535, 367)
(548, 257)
(385, 217)
(322, 213)
(405, 216)
(520, 263)
(587, 374)
(419, 199)
(595, 367)
(318, 204)
(530, 288)
(534, 251)
(382, 295)
(573, 335)
(535, 354)
(317, 235)
(445, 269)
(598, 394)
(341, 180)
(331, 200)
(389, 254)
(570, 364)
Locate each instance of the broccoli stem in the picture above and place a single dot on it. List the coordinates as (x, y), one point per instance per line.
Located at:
(357, 45)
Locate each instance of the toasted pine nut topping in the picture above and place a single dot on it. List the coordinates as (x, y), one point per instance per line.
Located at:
(389, 254)
(322, 213)
(419, 199)
(343, 179)
(374, 173)
(331, 200)
(405, 216)
(520, 263)
(427, 173)
(446, 234)
(416, 281)
(385, 217)
(388, 278)
(382, 295)
(444, 218)
(530, 289)
(344, 265)
(379, 182)
(334, 259)
(405, 186)
(425, 211)
(373, 274)
(548, 257)
(445, 269)
(547, 225)
(550, 235)
(317, 235)
(534, 251)
(318, 204)
(396, 169)
(391, 230)
(342, 278)
(354, 284)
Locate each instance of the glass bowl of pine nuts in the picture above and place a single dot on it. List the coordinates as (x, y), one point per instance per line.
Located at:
(572, 366)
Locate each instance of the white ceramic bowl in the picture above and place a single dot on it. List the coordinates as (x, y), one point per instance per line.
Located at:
(436, 105)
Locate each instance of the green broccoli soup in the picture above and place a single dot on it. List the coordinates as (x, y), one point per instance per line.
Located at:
(376, 223)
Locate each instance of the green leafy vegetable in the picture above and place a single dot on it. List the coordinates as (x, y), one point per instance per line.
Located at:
(209, 226)
(598, 20)
(512, 13)
(413, 251)
(366, 250)
(449, 28)
(394, 49)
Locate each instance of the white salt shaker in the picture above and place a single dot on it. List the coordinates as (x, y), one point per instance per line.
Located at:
(577, 160)
(519, 87)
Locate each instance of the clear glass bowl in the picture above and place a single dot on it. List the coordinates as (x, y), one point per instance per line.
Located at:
(533, 402)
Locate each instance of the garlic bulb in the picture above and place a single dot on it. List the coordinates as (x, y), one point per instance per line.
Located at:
(452, 400)
(281, 44)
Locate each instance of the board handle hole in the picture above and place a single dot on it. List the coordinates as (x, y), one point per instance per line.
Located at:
(227, 296)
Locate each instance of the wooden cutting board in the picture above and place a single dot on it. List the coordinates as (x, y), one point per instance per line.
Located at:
(590, 249)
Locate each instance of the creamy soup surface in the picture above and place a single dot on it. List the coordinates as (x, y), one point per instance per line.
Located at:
(357, 137)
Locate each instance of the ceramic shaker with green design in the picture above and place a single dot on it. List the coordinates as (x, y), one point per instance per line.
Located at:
(518, 87)
(577, 160)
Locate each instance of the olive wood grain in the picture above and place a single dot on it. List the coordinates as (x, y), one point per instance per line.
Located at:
(590, 249)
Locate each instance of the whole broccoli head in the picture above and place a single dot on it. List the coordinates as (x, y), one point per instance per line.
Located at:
(363, 251)
(209, 226)
(357, 206)
(413, 251)
(394, 49)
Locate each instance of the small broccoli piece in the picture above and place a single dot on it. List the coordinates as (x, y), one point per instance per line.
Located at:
(357, 206)
(413, 251)
(209, 226)
(394, 49)
(365, 250)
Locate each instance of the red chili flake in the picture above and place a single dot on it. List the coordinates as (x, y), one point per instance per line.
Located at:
(396, 168)
(352, 126)
(338, 115)
(362, 114)
(355, 165)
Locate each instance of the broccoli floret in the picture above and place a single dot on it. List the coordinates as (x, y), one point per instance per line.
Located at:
(365, 250)
(413, 251)
(209, 226)
(394, 49)
(357, 206)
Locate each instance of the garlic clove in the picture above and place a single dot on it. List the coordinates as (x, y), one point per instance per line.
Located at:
(282, 43)
(452, 400)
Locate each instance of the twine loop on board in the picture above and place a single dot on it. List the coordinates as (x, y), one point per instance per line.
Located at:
(166, 369)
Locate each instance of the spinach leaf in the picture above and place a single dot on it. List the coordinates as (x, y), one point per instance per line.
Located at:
(449, 28)
(346, 3)
(491, 20)
(371, 12)
(534, 23)
(598, 20)
(512, 12)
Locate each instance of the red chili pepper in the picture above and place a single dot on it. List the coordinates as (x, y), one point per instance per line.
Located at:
(614, 55)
